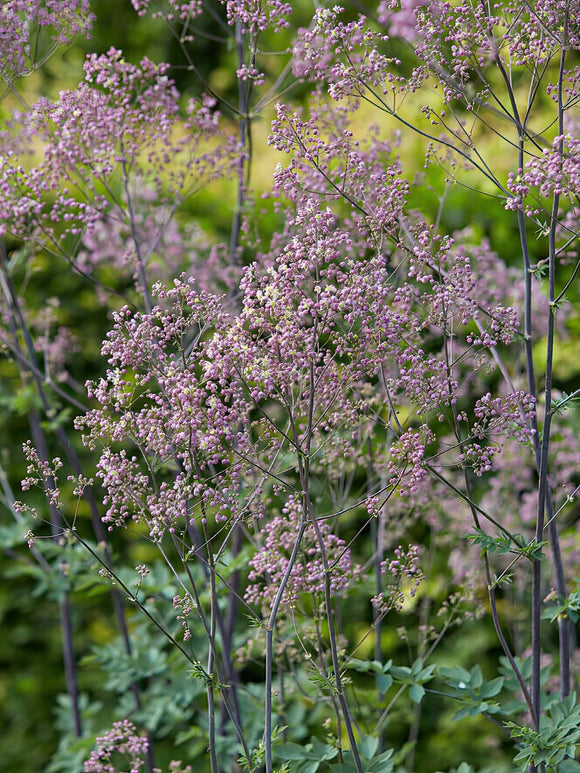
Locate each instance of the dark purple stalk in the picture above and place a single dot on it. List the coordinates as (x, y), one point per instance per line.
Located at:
(245, 146)
(17, 322)
(309, 515)
(64, 603)
(270, 630)
(544, 498)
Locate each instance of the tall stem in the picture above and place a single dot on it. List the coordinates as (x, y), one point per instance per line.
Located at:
(329, 601)
(18, 323)
(64, 604)
(270, 628)
(245, 146)
(564, 626)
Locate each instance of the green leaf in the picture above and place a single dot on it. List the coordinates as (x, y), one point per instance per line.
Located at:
(426, 673)
(563, 403)
(514, 543)
(495, 545)
(347, 765)
(12, 534)
(384, 681)
(322, 751)
(513, 707)
(417, 666)
(313, 752)
(456, 676)
(491, 688)
(402, 674)
(569, 766)
(382, 764)
(365, 666)
(400, 755)
(534, 549)
(476, 678)
(558, 303)
(310, 766)
(416, 693)
(557, 712)
(368, 746)
(292, 751)
(570, 609)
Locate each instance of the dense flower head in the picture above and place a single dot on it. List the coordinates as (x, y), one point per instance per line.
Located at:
(457, 45)
(319, 335)
(121, 739)
(308, 574)
(555, 172)
(121, 127)
(31, 29)
(407, 459)
(172, 10)
(326, 159)
(470, 35)
(403, 577)
(42, 473)
(177, 414)
(445, 292)
(313, 315)
(256, 16)
(345, 55)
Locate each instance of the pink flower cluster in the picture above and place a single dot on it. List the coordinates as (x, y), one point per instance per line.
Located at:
(345, 55)
(122, 121)
(555, 172)
(308, 574)
(404, 576)
(327, 159)
(184, 605)
(256, 16)
(455, 42)
(121, 739)
(31, 29)
(407, 458)
(172, 10)
(400, 17)
(42, 473)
